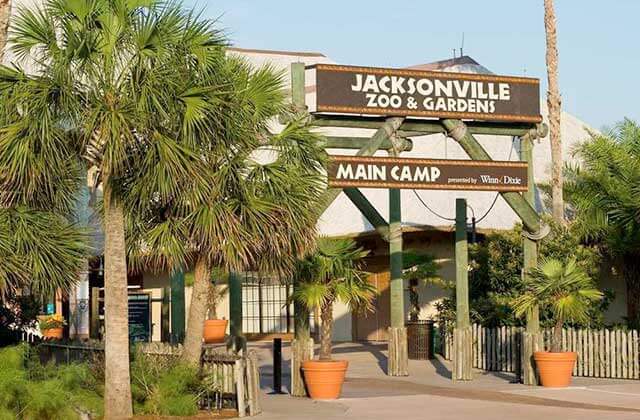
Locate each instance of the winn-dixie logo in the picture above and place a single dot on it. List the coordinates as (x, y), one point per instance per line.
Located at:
(430, 93)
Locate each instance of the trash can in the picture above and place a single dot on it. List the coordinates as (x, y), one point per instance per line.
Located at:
(420, 339)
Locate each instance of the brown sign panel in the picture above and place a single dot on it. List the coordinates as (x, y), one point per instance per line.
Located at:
(415, 93)
(427, 174)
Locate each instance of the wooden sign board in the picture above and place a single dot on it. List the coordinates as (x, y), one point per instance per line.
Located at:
(427, 174)
(415, 93)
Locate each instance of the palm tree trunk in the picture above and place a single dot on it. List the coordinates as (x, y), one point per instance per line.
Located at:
(5, 14)
(554, 104)
(556, 341)
(117, 396)
(197, 312)
(326, 314)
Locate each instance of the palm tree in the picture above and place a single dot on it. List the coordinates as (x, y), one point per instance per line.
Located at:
(564, 289)
(419, 268)
(40, 252)
(605, 199)
(554, 107)
(5, 15)
(329, 274)
(118, 84)
(253, 208)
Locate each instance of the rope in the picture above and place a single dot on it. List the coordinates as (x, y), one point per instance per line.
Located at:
(495, 199)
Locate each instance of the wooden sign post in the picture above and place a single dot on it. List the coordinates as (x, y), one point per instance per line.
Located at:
(402, 103)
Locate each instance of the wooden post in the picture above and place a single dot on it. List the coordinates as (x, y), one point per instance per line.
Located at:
(235, 312)
(398, 362)
(532, 339)
(177, 307)
(94, 331)
(462, 334)
(165, 328)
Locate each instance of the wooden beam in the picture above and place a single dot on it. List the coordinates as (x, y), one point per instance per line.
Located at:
(462, 265)
(462, 334)
(334, 142)
(457, 130)
(395, 258)
(422, 127)
(368, 211)
(177, 307)
(384, 133)
(235, 311)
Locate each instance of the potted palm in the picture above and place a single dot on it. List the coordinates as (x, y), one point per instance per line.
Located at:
(51, 326)
(214, 328)
(331, 273)
(565, 291)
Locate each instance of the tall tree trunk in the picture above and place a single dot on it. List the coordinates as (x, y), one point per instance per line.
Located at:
(197, 312)
(631, 273)
(326, 314)
(5, 14)
(554, 108)
(117, 396)
(556, 341)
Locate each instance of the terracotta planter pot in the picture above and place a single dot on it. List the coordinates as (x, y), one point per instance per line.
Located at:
(324, 378)
(52, 334)
(214, 330)
(555, 368)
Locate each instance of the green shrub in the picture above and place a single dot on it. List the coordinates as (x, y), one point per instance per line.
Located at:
(175, 394)
(30, 390)
(49, 400)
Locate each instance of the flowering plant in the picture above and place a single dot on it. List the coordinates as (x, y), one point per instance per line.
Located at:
(47, 322)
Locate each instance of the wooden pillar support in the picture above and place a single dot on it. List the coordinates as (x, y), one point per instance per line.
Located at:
(462, 336)
(235, 312)
(177, 307)
(165, 317)
(532, 338)
(368, 211)
(398, 362)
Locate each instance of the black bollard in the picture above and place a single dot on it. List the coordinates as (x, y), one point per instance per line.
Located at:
(277, 365)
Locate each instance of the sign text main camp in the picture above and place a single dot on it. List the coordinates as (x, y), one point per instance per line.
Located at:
(366, 90)
(382, 172)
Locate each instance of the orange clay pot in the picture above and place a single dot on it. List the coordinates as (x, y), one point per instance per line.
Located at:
(555, 368)
(324, 378)
(214, 330)
(52, 334)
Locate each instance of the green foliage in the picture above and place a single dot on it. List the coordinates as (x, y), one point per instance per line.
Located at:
(562, 288)
(496, 275)
(39, 251)
(29, 390)
(332, 273)
(419, 268)
(164, 386)
(565, 288)
(604, 199)
(329, 274)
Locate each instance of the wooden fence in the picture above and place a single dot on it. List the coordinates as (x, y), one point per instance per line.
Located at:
(601, 353)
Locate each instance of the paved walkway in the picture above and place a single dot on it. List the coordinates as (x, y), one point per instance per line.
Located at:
(428, 393)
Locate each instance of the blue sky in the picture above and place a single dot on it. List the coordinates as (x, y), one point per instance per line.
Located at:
(599, 41)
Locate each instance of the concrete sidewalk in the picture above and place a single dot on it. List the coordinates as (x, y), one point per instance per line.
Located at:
(428, 393)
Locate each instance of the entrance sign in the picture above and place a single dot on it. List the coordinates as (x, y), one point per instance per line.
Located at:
(415, 93)
(429, 174)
